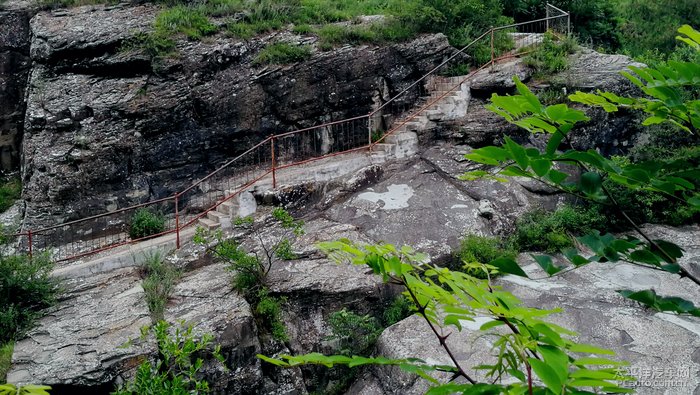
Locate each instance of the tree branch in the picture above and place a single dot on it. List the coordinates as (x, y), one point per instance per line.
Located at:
(421, 310)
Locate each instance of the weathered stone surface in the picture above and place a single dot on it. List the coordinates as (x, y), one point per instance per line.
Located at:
(205, 299)
(422, 203)
(611, 134)
(14, 69)
(315, 286)
(67, 38)
(589, 70)
(78, 345)
(103, 130)
(499, 79)
(412, 205)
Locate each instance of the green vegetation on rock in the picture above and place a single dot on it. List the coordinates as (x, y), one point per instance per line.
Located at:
(5, 359)
(27, 288)
(177, 369)
(146, 223)
(551, 56)
(282, 53)
(159, 279)
(10, 191)
(475, 252)
(539, 230)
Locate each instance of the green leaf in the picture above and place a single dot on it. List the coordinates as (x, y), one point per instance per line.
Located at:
(645, 256)
(518, 152)
(557, 360)
(670, 304)
(548, 375)
(553, 143)
(673, 250)
(545, 262)
(507, 266)
(653, 121)
(694, 201)
(541, 166)
(491, 324)
(557, 176)
(591, 183)
(573, 256)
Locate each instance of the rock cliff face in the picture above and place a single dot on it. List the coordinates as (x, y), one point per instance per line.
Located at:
(14, 70)
(104, 130)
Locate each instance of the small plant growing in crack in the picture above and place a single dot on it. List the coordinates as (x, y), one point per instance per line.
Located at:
(251, 268)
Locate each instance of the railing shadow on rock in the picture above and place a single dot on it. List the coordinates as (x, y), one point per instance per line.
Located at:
(75, 239)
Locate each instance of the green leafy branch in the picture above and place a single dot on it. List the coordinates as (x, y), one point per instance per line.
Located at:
(177, 370)
(29, 389)
(674, 179)
(531, 351)
(662, 85)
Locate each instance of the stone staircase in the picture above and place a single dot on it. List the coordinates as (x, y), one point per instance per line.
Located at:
(448, 100)
(450, 103)
(241, 205)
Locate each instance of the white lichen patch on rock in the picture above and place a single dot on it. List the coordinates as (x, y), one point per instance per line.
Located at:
(396, 197)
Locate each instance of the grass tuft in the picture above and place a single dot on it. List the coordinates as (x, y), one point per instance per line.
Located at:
(5, 360)
(158, 282)
(283, 53)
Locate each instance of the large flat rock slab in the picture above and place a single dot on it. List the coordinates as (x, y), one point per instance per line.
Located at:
(80, 342)
(415, 206)
(205, 299)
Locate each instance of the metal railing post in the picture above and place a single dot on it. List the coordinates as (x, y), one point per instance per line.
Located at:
(272, 150)
(568, 24)
(177, 221)
(369, 130)
(29, 236)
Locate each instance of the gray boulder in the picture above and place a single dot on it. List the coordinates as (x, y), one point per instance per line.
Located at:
(83, 343)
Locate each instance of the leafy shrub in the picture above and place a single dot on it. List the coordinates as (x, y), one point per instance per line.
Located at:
(355, 333)
(268, 310)
(282, 53)
(27, 288)
(594, 21)
(146, 223)
(377, 135)
(248, 271)
(284, 250)
(649, 206)
(155, 46)
(399, 308)
(29, 389)
(461, 21)
(552, 95)
(10, 190)
(551, 55)
(158, 283)
(476, 251)
(550, 232)
(178, 367)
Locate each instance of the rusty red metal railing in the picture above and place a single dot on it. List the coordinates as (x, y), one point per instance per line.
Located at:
(79, 238)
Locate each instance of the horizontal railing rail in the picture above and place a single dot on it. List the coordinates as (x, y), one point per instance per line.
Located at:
(97, 233)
